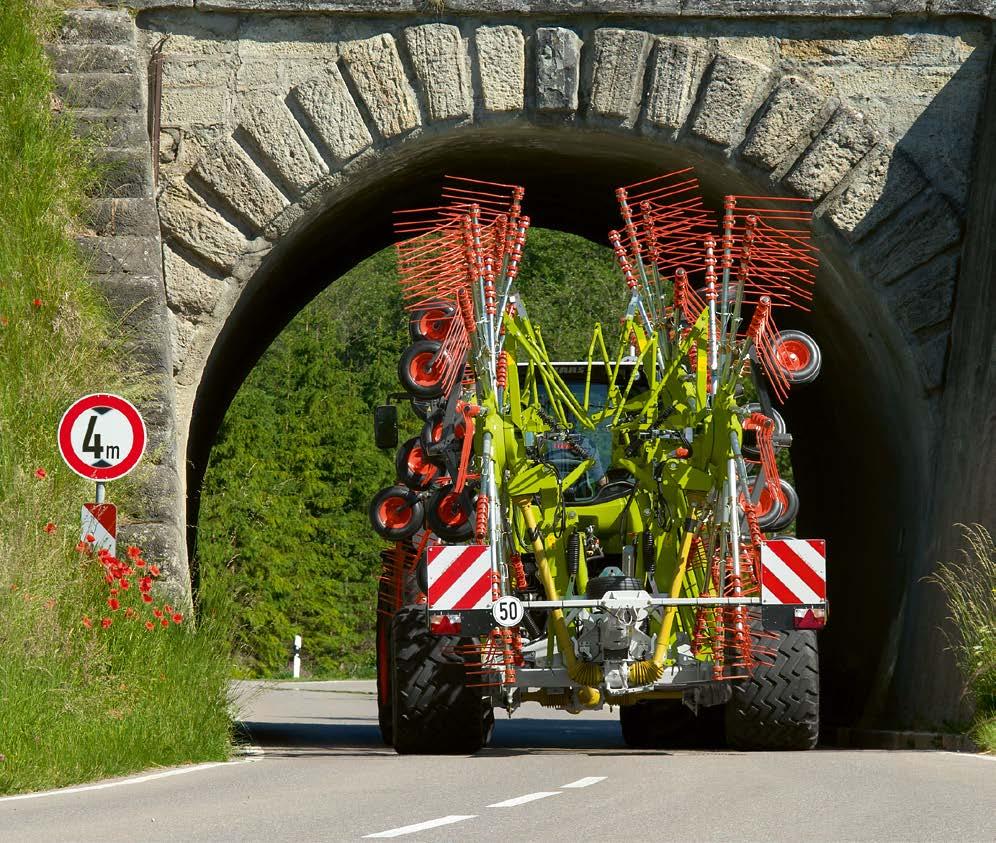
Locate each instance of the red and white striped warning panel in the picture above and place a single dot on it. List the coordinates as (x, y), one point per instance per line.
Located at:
(459, 577)
(100, 522)
(793, 571)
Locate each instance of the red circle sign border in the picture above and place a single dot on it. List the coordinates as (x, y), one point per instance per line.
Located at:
(115, 402)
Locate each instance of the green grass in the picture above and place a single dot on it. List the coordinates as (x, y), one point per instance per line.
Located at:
(970, 586)
(75, 703)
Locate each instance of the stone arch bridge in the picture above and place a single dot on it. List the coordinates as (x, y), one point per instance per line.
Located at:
(256, 149)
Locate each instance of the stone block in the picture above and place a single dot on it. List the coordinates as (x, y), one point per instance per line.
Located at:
(156, 493)
(501, 61)
(279, 138)
(925, 296)
(111, 91)
(885, 181)
(194, 106)
(617, 83)
(140, 304)
(97, 26)
(208, 71)
(92, 58)
(240, 183)
(932, 355)
(122, 255)
(181, 336)
(790, 110)
(676, 72)
(188, 220)
(128, 217)
(732, 94)
(189, 291)
(333, 115)
(843, 142)
(379, 76)
(110, 129)
(558, 63)
(440, 61)
(124, 173)
(801, 8)
(922, 229)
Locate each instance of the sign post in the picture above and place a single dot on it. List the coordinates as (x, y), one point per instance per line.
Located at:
(101, 437)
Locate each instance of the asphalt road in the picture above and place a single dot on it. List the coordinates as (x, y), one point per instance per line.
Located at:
(324, 775)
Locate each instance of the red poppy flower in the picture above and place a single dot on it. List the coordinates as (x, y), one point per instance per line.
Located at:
(177, 617)
(90, 538)
(145, 584)
(113, 603)
(149, 625)
(36, 304)
(106, 622)
(129, 612)
(125, 584)
(81, 547)
(134, 552)
(41, 473)
(154, 570)
(164, 622)
(157, 612)
(87, 622)
(139, 563)
(4, 322)
(108, 579)
(50, 603)
(49, 528)
(113, 592)
(168, 609)
(147, 598)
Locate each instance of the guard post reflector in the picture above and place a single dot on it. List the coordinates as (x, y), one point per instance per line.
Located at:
(459, 577)
(793, 572)
(100, 520)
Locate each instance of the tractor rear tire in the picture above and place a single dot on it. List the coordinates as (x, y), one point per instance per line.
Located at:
(434, 711)
(778, 707)
(670, 724)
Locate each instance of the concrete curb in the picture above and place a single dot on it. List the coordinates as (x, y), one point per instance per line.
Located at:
(885, 739)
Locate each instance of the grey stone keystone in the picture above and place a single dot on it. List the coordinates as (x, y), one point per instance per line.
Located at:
(187, 219)
(558, 62)
(233, 175)
(793, 105)
(838, 147)
(501, 60)
(620, 61)
(122, 255)
(334, 116)
(882, 183)
(376, 69)
(280, 138)
(676, 72)
(441, 64)
(97, 26)
(112, 91)
(732, 94)
(925, 296)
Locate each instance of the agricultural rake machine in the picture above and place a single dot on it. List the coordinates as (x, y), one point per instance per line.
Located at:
(605, 531)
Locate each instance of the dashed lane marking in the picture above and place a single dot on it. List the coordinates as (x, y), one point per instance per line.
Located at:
(585, 782)
(522, 800)
(411, 829)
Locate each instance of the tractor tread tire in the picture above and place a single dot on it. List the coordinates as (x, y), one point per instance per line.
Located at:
(435, 713)
(778, 707)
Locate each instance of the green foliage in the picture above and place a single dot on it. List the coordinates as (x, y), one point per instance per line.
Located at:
(283, 532)
(72, 705)
(970, 587)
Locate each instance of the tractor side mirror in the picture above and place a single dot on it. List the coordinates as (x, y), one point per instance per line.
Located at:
(386, 426)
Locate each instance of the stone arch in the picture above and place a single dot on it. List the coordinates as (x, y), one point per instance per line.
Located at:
(293, 156)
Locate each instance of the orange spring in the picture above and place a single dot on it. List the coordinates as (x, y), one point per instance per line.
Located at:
(466, 310)
(701, 627)
(501, 370)
(760, 319)
(481, 529)
(518, 572)
(620, 253)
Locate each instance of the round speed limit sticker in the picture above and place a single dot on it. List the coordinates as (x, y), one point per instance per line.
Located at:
(507, 611)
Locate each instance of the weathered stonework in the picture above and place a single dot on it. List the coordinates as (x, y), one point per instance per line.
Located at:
(558, 69)
(501, 59)
(676, 72)
(378, 74)
(617, 86)
(440, 63)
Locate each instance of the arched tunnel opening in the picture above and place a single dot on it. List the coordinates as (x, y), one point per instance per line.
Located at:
(858, 439)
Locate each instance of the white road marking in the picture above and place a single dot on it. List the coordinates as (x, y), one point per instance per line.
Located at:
(165, 774)
(521, 800)
(411, 829)
(585, 782)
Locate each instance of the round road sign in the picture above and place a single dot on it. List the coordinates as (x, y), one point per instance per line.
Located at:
(102, 437)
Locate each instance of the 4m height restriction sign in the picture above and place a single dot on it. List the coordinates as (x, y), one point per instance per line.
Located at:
(102, 437)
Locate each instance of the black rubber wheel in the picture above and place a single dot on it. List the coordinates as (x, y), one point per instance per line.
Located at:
(789, 512)
(415, 468)
(434, 711)
(598, 587)
(749, 447)
(396, 513)
(417, 373)
(798, 357)
(449, 515)
(670, 724)
(430, 323)
(778, 707)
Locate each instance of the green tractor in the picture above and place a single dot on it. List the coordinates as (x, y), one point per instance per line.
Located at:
(596, 532)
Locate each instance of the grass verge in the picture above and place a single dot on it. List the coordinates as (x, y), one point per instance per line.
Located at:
(76, 703)
(970, 586)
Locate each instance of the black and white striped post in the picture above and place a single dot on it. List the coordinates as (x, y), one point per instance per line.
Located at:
(297, 656)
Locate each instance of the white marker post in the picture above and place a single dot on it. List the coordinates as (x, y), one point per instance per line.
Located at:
(297, 656)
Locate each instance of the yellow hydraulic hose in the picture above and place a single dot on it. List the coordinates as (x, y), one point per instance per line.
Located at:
(650, 670)
(584, 673)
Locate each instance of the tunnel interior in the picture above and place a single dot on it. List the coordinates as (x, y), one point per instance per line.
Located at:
(858, 450)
